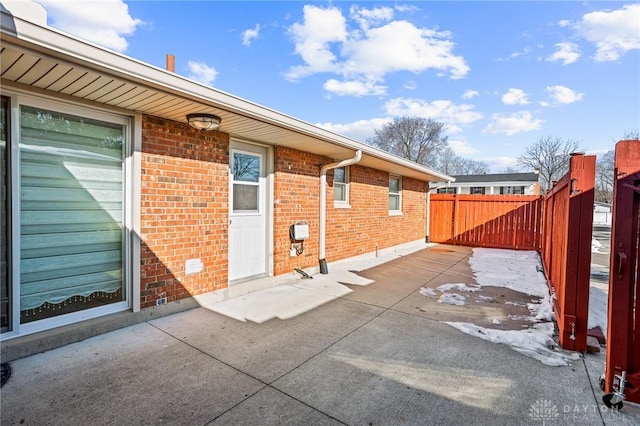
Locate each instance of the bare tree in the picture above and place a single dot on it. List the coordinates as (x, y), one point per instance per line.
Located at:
(417, 139)
(452, 164)
(551, 156)
(605, 177)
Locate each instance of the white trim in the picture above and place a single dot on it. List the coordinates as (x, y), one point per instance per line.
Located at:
(343, 204)
(265, 204)
(398, 211)
(135, 185)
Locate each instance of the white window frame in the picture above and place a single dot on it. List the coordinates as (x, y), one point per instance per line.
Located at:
(483, 190)
(398, 194)
(131, 194)
(342, 204)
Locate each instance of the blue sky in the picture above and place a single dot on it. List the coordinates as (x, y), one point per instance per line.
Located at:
(500, 75)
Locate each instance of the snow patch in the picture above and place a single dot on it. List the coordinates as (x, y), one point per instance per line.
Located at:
(452, 299)
(426, 291)
(460, 287)
(519, 270)
(536, 342)
(598, 302)
(595, 246)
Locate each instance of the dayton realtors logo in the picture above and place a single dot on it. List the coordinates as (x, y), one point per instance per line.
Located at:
(543, 410)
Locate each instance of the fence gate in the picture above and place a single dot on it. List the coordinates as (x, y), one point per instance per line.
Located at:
(623, 329)
(566, 248)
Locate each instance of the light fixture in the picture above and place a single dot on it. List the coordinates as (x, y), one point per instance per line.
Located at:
(204, 121)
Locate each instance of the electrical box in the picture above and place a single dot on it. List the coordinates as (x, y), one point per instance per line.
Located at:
(300, 231)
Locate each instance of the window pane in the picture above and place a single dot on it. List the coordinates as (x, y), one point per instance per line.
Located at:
(71, 207)
(245, 197)
(339, 175)
(394, 202)
(246, 167)
(394, 185)
(339, 192)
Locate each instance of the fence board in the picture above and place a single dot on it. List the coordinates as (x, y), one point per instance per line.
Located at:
(497, 221)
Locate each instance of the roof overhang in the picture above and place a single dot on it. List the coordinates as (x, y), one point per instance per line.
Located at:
(42, 59)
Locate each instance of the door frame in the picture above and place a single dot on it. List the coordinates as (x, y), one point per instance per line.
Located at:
(269, 165)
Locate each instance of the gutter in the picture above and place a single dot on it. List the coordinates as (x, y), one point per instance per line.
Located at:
(323, 205)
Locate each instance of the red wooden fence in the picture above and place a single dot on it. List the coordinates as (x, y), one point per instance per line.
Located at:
(566, 249)
(623, 331)
(497, 221)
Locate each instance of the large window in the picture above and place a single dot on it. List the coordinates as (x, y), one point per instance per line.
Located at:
(341, 186)
(72, 241)
(477, 190)
(512, 190)
(448, 190)
(395, 195)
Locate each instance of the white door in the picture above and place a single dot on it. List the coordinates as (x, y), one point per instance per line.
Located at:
(247, 212)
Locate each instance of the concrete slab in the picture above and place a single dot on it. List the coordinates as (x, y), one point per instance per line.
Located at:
(268, 350)
(136, 375)
(403, 369)
(272, 407)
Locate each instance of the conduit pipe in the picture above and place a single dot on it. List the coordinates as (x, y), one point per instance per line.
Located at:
(323, 205)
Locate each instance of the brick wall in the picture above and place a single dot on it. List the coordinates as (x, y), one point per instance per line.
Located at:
(350, 231)
(183, 209)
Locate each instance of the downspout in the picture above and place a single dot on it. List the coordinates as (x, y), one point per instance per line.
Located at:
(323, 205)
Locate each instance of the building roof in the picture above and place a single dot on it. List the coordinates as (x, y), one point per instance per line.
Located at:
(498, 177)
(53, 63)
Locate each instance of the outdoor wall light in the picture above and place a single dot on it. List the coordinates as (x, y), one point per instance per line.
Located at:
(204, 121)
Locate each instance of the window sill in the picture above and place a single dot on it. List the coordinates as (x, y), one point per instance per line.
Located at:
(341, 205)
(395, 213)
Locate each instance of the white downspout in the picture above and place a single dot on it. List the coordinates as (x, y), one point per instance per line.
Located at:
(323, 205)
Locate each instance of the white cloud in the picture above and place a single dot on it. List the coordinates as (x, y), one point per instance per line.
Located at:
(563, 95)
(614, 32)
(523, 52)
(567, 52)
(519, 122)
(368, 17)
(470, 94)
(445, 111)
(515, 97)
(411, 85)
(358, 130)
(462, 147)
(354, 87)
(564, 23)
(327, 43)
(498, 164)
(105, 22)
(201, 72)
(250, 34)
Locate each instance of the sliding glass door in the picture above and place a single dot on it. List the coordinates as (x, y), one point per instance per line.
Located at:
(71, 213)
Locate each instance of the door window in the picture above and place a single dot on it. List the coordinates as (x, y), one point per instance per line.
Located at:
(246, 182)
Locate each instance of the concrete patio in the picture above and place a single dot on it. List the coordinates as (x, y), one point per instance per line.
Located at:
(376, 354)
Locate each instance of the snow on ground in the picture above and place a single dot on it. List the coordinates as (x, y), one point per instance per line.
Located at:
(595, 246)
(452, 299)
(519, 271)
(535, 342)
(598, 301)
(460, 287)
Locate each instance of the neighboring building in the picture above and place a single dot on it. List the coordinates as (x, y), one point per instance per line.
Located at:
(602, 213)
(117, 206)
(491, 184)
